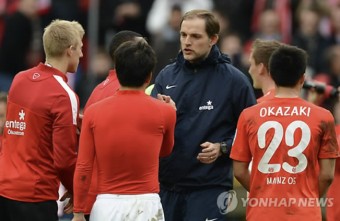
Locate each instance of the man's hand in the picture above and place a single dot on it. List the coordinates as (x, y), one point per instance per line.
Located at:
(166, 99)
(210, 152)
(68, 199)
(78, 217)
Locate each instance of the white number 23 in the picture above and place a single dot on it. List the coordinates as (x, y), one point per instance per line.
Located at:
(296, 152)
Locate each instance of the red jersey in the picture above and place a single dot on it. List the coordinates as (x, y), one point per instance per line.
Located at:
(333, 210)
(285, 138)
(105, 89)
(40, 140)
(269, 95)
(125, 134)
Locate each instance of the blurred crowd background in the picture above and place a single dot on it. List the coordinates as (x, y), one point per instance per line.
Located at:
(313, 25)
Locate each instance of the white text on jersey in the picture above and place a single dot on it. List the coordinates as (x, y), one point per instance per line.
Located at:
(285, 111)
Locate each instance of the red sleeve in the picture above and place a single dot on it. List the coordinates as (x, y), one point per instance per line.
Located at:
(169, 130)
(84, 167)
(240, 149)
(329, 147)
(64, 140)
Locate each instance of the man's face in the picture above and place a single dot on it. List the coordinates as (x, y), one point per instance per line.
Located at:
(254, 71)
(2, 116)
(195, 42)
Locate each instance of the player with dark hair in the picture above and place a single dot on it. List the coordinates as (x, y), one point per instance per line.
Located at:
(125, 134)
(103, 90)
(292, 145)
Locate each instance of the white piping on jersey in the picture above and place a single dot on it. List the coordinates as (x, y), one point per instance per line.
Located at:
(72, 96)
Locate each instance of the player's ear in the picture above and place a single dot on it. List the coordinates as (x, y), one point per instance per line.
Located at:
(148, 80)
(69, 50)
(262, 69)
(213, 39)
(302, 79)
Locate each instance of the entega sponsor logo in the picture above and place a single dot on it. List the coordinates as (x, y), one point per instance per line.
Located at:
(17, 127)
(209, 106)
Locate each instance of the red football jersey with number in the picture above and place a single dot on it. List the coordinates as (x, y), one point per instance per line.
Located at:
(285, 138)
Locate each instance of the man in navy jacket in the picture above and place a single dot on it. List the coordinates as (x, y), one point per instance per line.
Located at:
(210, 94)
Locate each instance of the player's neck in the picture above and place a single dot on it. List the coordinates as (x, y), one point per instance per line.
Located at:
(123, 88)
(287, 92)
(268, 86)
(56, 64)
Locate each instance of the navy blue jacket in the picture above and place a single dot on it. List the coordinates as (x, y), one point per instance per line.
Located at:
(209, 97)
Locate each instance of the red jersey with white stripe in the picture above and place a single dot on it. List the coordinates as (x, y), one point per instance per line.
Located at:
(105, 89)
(285, 138)
(40, 140)
(125, 134)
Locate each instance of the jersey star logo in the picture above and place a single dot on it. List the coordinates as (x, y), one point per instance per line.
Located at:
(209, 102)
(22, 115)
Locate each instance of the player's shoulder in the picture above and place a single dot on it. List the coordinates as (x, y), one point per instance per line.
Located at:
(95, 106)
(254, 108)
(164, 107)
(317, 110)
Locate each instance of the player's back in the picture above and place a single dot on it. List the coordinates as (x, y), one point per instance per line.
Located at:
(128, 130)
(40, 128)
(286, 137)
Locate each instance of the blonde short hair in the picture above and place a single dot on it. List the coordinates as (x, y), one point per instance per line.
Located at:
(60, 35)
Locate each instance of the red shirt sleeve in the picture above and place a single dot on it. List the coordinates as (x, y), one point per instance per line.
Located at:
(64, 141)
(168, 139)
(83, 173)
(329, 147)
(240, 149)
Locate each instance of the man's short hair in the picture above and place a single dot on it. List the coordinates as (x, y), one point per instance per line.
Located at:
(121, 37)
(60, 35)
(134, 63)
(212, 25)
(263, 49)
(287, 65)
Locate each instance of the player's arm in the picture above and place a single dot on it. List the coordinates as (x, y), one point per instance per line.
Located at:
(84, 167)
(241, 154)
(169, 130)
(326, 176)
(329, 151)
(241, 173)
(65, 140)
(78, 217)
